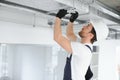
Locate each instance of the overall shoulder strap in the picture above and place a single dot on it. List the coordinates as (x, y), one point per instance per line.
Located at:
(89, 73)
(89, 47)
(70, 56)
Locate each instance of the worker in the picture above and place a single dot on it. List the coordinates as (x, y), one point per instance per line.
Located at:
(80, 54)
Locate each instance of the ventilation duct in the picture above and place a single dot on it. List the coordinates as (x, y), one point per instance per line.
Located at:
(80, 5)
(85, 8)
(86, 1)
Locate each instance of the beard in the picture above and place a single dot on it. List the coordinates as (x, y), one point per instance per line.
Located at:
(81, 34)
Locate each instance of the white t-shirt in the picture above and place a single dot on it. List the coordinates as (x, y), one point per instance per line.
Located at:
(81, 58)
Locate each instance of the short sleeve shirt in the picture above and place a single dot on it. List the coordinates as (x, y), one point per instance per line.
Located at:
(81, 58)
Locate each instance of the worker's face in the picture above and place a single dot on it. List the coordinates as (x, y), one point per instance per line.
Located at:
(86, 30)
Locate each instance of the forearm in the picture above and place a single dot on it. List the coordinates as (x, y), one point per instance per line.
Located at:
(70, 32)
(57, 29)
(59, 38)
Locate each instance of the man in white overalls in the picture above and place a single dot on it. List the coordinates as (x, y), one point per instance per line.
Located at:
(79, 60)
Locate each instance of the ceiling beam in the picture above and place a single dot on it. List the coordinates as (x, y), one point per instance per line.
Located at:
(106, 7)
(21, 6)
(104, 15)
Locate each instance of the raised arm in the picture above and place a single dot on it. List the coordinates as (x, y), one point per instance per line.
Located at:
(58, 37)
(69, 31)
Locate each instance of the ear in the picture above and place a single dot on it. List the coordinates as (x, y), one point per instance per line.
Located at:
(91, 35)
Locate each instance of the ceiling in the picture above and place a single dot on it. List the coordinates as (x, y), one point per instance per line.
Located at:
(47, 5)
(50, 5)
(108, 10)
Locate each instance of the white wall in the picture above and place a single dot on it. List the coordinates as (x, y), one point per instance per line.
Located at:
(29, 62)
(16, 26)
(107, 60)
(35, 62)
(25, 34)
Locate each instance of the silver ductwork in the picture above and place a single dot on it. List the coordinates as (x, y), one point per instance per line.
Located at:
(84, 7)
(92, 7)
(79, 5)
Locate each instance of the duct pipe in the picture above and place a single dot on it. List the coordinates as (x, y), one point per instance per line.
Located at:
(77, 4)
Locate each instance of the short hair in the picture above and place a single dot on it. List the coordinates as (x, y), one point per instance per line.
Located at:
(95, 36)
